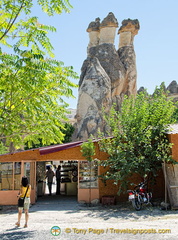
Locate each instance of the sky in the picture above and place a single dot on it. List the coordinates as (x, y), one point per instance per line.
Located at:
(155, 45)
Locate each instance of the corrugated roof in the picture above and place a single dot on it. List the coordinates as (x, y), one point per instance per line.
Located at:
(172, 129)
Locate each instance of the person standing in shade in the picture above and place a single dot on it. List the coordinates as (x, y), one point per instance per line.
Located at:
(49, 176)
(58, 180)
(25, 188)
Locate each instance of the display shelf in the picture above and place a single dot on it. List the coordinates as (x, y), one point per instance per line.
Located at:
(88, 174)
(68, 173)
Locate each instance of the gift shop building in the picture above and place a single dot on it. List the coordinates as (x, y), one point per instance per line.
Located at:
(78, 177)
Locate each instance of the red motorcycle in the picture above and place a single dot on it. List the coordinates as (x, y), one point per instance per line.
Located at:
(140, 196)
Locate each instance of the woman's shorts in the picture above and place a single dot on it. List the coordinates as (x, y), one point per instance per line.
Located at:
(26, 204)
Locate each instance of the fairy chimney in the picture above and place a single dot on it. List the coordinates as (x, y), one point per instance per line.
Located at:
(108, 29)
(127, 32)
(106, 75)
(93, 30)
(126, 52)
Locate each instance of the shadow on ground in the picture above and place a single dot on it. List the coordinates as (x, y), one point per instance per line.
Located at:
(70, 205)
(16, 233)
(124, 210)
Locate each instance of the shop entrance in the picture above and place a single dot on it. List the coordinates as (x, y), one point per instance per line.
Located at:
(68, 178)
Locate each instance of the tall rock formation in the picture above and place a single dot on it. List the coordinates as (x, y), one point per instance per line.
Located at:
(126, 52)
(173, 91)
(106, 75)
(173, 88)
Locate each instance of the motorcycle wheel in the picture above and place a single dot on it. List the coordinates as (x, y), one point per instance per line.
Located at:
(136, 204)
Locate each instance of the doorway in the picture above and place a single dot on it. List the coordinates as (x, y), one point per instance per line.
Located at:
(68, 178)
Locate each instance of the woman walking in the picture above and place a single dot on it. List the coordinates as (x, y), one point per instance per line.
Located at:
(25, 190)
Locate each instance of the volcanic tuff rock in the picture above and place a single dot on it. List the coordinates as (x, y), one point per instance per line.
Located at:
(106, 75)
(94, 94)
(171, 91)
(173, 87)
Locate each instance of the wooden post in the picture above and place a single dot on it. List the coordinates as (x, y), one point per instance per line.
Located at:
(165, 178)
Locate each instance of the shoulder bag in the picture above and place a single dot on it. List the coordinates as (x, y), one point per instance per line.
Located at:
(21, 200)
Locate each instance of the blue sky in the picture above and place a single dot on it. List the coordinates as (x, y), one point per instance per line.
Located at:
(155, 45)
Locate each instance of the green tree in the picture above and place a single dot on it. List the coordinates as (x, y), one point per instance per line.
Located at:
(67, 131)
(88, 150)
(139, 143)
(32, 84)
(175, 115)
(20, 28)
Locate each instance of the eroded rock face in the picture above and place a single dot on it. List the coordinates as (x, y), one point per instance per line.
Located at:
(109, 21)
(126, 52)
(106, 75)
(128, 59)
(108, 29)
(173, 87)
(94, 95)
(111, 63)
(93, 30)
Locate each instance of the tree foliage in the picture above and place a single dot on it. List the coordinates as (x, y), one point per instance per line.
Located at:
(32, 84)
(88, 150)
(31, 104)
(67, 131)
(20, 28)
(139, 143)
